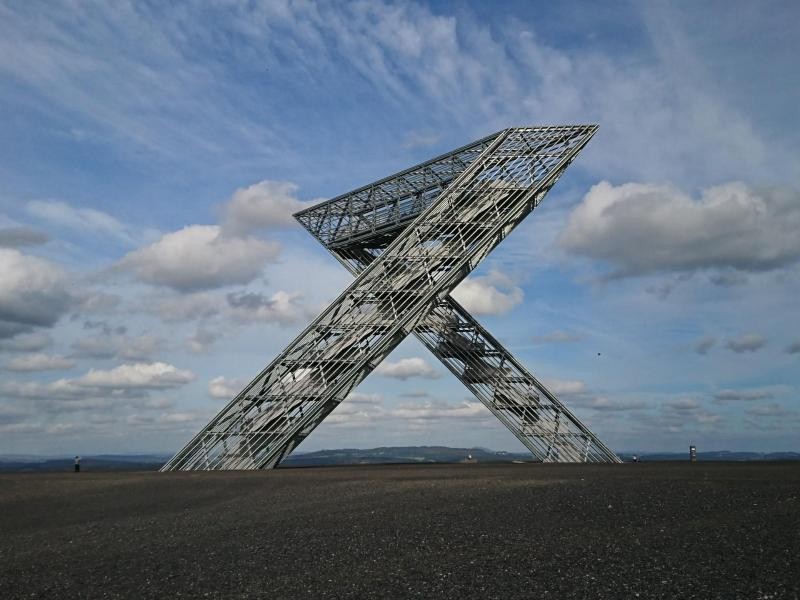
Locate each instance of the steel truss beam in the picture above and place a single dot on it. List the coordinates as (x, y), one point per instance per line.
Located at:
(410, 239)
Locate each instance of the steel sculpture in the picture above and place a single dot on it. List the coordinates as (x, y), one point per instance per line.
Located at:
(409, 239)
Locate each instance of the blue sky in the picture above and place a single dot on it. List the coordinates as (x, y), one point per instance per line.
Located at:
(151, 156)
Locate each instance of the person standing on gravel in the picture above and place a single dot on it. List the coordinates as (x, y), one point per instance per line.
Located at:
(77, 464)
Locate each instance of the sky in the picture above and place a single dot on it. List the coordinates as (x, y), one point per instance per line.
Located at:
(152, 154)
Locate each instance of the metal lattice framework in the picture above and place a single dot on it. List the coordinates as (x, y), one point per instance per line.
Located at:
(410, 239)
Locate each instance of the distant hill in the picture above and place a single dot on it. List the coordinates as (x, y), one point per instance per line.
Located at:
(346, 456)
(401, 454)
(101, 462)
(724, 455)
(356, 456)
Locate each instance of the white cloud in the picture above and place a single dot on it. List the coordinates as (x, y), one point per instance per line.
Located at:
(416, 394)
(683, 404)
(127, 381)
(166, 422)
(263, 205)
(704, 417)
(16, 237)
(357, 410)
(281, 307)
(202, 339)
(33, 293)
(787, 425)
(140, 347)
(93, 302)
(607, 404)
(107, 345)
(728, 279)
(11, 414)
(406, 368)
(492, 294)
(704, 344)
(83, 219)
(157, 375)
(96, 346)
(192, 105)
(362, 398)
(105, 80)
(418, 139)
(663, 289)
(199, 257)
(565, 387)
(772, 409)
(21, 428)
(225, 389)
(104, 327)
(184, 417)
(576, 393)
(473, 72)
(185, 307)
(647, 228)
(750, 342)
(678, 415)
(62, 389)
(39, 362)
(27, 342)
(428, 411)
(744, 394)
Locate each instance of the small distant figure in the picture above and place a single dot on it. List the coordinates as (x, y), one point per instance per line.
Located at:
(77, 464)
(692, 454)
(635, 458)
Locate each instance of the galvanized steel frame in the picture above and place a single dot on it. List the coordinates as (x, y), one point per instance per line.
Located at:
(410, 239)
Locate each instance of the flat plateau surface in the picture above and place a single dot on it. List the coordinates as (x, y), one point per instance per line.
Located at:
(708, 530)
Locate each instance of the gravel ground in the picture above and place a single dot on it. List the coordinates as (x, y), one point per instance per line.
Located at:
(423, 531)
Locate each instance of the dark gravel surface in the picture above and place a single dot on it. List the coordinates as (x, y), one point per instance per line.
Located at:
(438, 531)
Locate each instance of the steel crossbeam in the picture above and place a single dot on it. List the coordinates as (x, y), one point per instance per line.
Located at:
(409, 239)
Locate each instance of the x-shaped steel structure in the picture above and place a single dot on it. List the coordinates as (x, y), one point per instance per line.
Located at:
(409, 239)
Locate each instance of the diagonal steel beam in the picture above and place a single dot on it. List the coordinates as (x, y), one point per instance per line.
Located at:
(393, 294)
